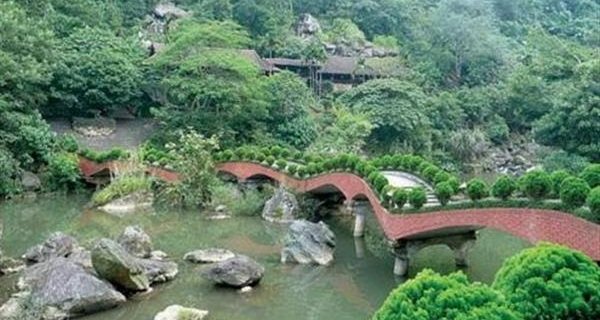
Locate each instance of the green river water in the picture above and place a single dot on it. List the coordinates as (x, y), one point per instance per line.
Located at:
(352, 288)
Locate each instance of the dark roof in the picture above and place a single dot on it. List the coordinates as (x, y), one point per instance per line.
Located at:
(263, 64)
(388, 66)
(287, 62)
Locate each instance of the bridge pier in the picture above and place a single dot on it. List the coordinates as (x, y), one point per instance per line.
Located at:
(359, 209)
(405, 250)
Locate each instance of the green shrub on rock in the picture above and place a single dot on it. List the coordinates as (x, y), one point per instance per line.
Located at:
(574, 192)
(431, 296)
(551, 282)
(444, 192)
(536, 184)
(62, 172)
(477, 189)
(591, 175)
(417, 197)
(504, 187)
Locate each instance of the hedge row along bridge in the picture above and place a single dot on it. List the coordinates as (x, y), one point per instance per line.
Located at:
(408, 233)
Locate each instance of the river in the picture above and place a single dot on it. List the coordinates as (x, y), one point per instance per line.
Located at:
(352, 288)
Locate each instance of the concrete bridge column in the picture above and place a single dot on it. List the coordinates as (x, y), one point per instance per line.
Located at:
(359, 247)
(359, 210)
(401, 262)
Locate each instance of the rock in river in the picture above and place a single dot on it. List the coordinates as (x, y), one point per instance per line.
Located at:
(238, 272)
(135, 241)
(211, 255)
(61, 289)
(281, 207)
(308, 242)
(177, 312)
(57, 245)
(120, 268)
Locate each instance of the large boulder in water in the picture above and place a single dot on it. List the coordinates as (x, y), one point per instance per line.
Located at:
(308, 242)
(281, 207)
(210, 255)
(135, 241)
(238, 272)
(57, 245)
(177, 312)
(61, 289)
(120, 268)
(30, 181)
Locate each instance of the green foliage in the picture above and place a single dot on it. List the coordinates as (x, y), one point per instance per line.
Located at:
(551, 282)
(248, 202)
(270, 160)
(417, 197)
(432, 296)
(504, 187)
(347, 133)
(281, 164)
(62, 172)
(395, 108)
(593, 202)
(497, 130)
(9, 174)
(467, 145)
(562, 160)
(591, 175)
(380, 182)
(120, 187)
(444, 192)
(454, 183)
(192, 154)
(104, 156)
(477, 189)
(97, 71)
(557, 177)
(536, 184)
(574, 192)
(399, 197)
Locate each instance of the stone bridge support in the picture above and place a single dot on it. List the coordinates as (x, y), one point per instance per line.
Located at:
(405, 250)
(359, 209)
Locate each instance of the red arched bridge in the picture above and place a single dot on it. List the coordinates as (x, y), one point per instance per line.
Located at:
(534, 225)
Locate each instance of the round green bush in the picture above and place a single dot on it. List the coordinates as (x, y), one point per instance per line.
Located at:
(308, 158)
(423, 165)
(240, 153)
(551, 282)
(62, 172)
(360, 168)
(227, 155)
(285, 153)
(593, 202)
(430, 172)
(443, 192)
(557, 177)
(414, 162)
(398, 162)
(319, 168)
(536, 184)
(477, 189)
(399, 197)
(441, 176)
(302, 171)
(276, 151)
(387, 162)
(431, 296)
(292, 168)
(281, 164)
(455, 183)
(329, 164)
(266, 151)
(591, 175)
(352, 162)
(380, 182)
(311, 168)
(298, 155)
(574, 192)
(270, 160)
(386, 194)
(417, 197)
(504, 187)
(260, 157)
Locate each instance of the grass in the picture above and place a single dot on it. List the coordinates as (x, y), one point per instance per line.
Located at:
(121, 187)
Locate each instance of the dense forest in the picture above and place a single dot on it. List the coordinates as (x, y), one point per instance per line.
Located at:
(475, 76)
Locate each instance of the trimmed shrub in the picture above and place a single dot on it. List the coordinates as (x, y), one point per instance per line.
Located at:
(281, 164)
(423, 166)
(380, 182)
(414, 162)
(398, 162)
(477, 189)
(276, 151)
(386, 194)
(308, 158)
(266, 151)
(387, 162)
(504, 187)
(298, 155)
(430, 172)
(591, 175)
(260, 157)
(68, 143)
(455, 183)
(444, 192)
(574, 192)
(352, 162)
(311, 168)
(557, 177)
(441, 176)
(399, 197)
(270, 160)
(292, 168)
(329, 164)
(536, 184)
(227, 155)
(417, 197)
(240, 153)
(285, 153)
(593, 201)
(302, 171)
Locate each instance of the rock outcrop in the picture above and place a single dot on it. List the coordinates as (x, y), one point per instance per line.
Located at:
(57, 245)
(177, 312)
(116, 265)
(237, 272)
(158, 271)
(59, 289)
(135, 241)
(307, 26)
(211, 255)
(308, 243)
(30, 181)
(281, 207)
